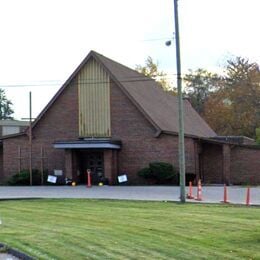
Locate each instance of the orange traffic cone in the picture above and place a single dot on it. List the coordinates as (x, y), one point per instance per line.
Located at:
(248, 196)
(189, 195)
(199, 191)
(225, 200)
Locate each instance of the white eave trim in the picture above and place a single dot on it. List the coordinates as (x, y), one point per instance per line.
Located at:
(86, 146)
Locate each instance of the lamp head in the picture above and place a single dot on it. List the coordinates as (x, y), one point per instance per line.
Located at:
(168, 43)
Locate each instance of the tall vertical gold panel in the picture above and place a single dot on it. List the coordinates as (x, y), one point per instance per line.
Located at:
(94, 101)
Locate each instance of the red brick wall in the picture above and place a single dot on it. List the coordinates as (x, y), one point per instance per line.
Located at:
(241, 164)
(11, 154)
(212, 163)
(245, 165)
(139, 146)
(226, 159)
(59, 123)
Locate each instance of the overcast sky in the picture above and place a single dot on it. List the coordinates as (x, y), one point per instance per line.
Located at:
(43, 41)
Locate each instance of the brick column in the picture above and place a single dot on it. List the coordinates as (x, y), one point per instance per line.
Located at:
(226, 163)
(115, 166)
(110, 165)
(68, 163)
(197, 151)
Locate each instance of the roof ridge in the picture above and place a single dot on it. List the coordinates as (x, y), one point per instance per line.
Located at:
(120, 64)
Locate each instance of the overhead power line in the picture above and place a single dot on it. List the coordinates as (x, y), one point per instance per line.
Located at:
(26, 85)
(156, 39)
(89, 81)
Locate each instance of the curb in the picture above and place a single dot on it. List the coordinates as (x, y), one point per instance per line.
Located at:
(16, 253)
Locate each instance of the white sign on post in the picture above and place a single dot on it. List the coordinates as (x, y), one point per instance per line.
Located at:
(58, 172)
(52, 179)
(122, 178)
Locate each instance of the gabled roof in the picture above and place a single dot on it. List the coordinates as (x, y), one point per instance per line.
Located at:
(159, 107)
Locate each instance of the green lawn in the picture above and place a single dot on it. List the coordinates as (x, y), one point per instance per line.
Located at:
(106, 229)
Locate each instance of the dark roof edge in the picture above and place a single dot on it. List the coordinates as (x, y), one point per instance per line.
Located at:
(185, 135)
(210, 140)
(89, 143)
(89, 140)
(13, 135)
(236, 136)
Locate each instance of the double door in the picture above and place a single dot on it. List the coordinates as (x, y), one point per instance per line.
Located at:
(93, 160)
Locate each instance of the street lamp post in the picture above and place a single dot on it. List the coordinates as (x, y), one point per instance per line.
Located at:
(180, 106)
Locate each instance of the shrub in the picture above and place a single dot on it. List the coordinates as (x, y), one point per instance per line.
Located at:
(160, 172)
(145, 173)
(23, 178)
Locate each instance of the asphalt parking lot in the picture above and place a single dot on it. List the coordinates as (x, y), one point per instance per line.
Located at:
(210, 194)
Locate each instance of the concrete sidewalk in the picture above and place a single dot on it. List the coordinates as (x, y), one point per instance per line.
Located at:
(210, 194)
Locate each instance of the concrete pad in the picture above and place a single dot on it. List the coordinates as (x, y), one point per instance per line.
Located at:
(4, 256)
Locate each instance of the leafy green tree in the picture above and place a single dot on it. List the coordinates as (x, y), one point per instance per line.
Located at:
(6, 110)
(199, 84)
(239, 71)
(257, 132)
(234, 109)
(218, 113)
(151, 70)
(243, 90)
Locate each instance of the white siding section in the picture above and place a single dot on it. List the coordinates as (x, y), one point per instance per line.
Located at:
(8, 130)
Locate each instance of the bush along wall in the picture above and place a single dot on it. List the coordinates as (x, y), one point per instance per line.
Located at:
(159, 173)
(23, 178)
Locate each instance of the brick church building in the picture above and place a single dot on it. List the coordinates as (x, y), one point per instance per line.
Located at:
(113, 120)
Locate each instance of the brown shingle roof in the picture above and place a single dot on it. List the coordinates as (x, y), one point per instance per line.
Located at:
(159, 107)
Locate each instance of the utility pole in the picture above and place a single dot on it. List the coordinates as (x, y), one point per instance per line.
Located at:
(30, 136)
(180, 106)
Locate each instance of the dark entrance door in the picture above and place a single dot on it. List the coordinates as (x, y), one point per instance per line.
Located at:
(93, 160)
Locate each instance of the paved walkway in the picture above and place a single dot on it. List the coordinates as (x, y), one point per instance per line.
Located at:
(211, 194)
(4, 256)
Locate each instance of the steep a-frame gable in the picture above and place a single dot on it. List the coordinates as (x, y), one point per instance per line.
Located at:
(159, 107)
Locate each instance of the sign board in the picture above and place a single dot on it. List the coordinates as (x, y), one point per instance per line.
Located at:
(58, 172)
(122, 178)
(52, 179)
